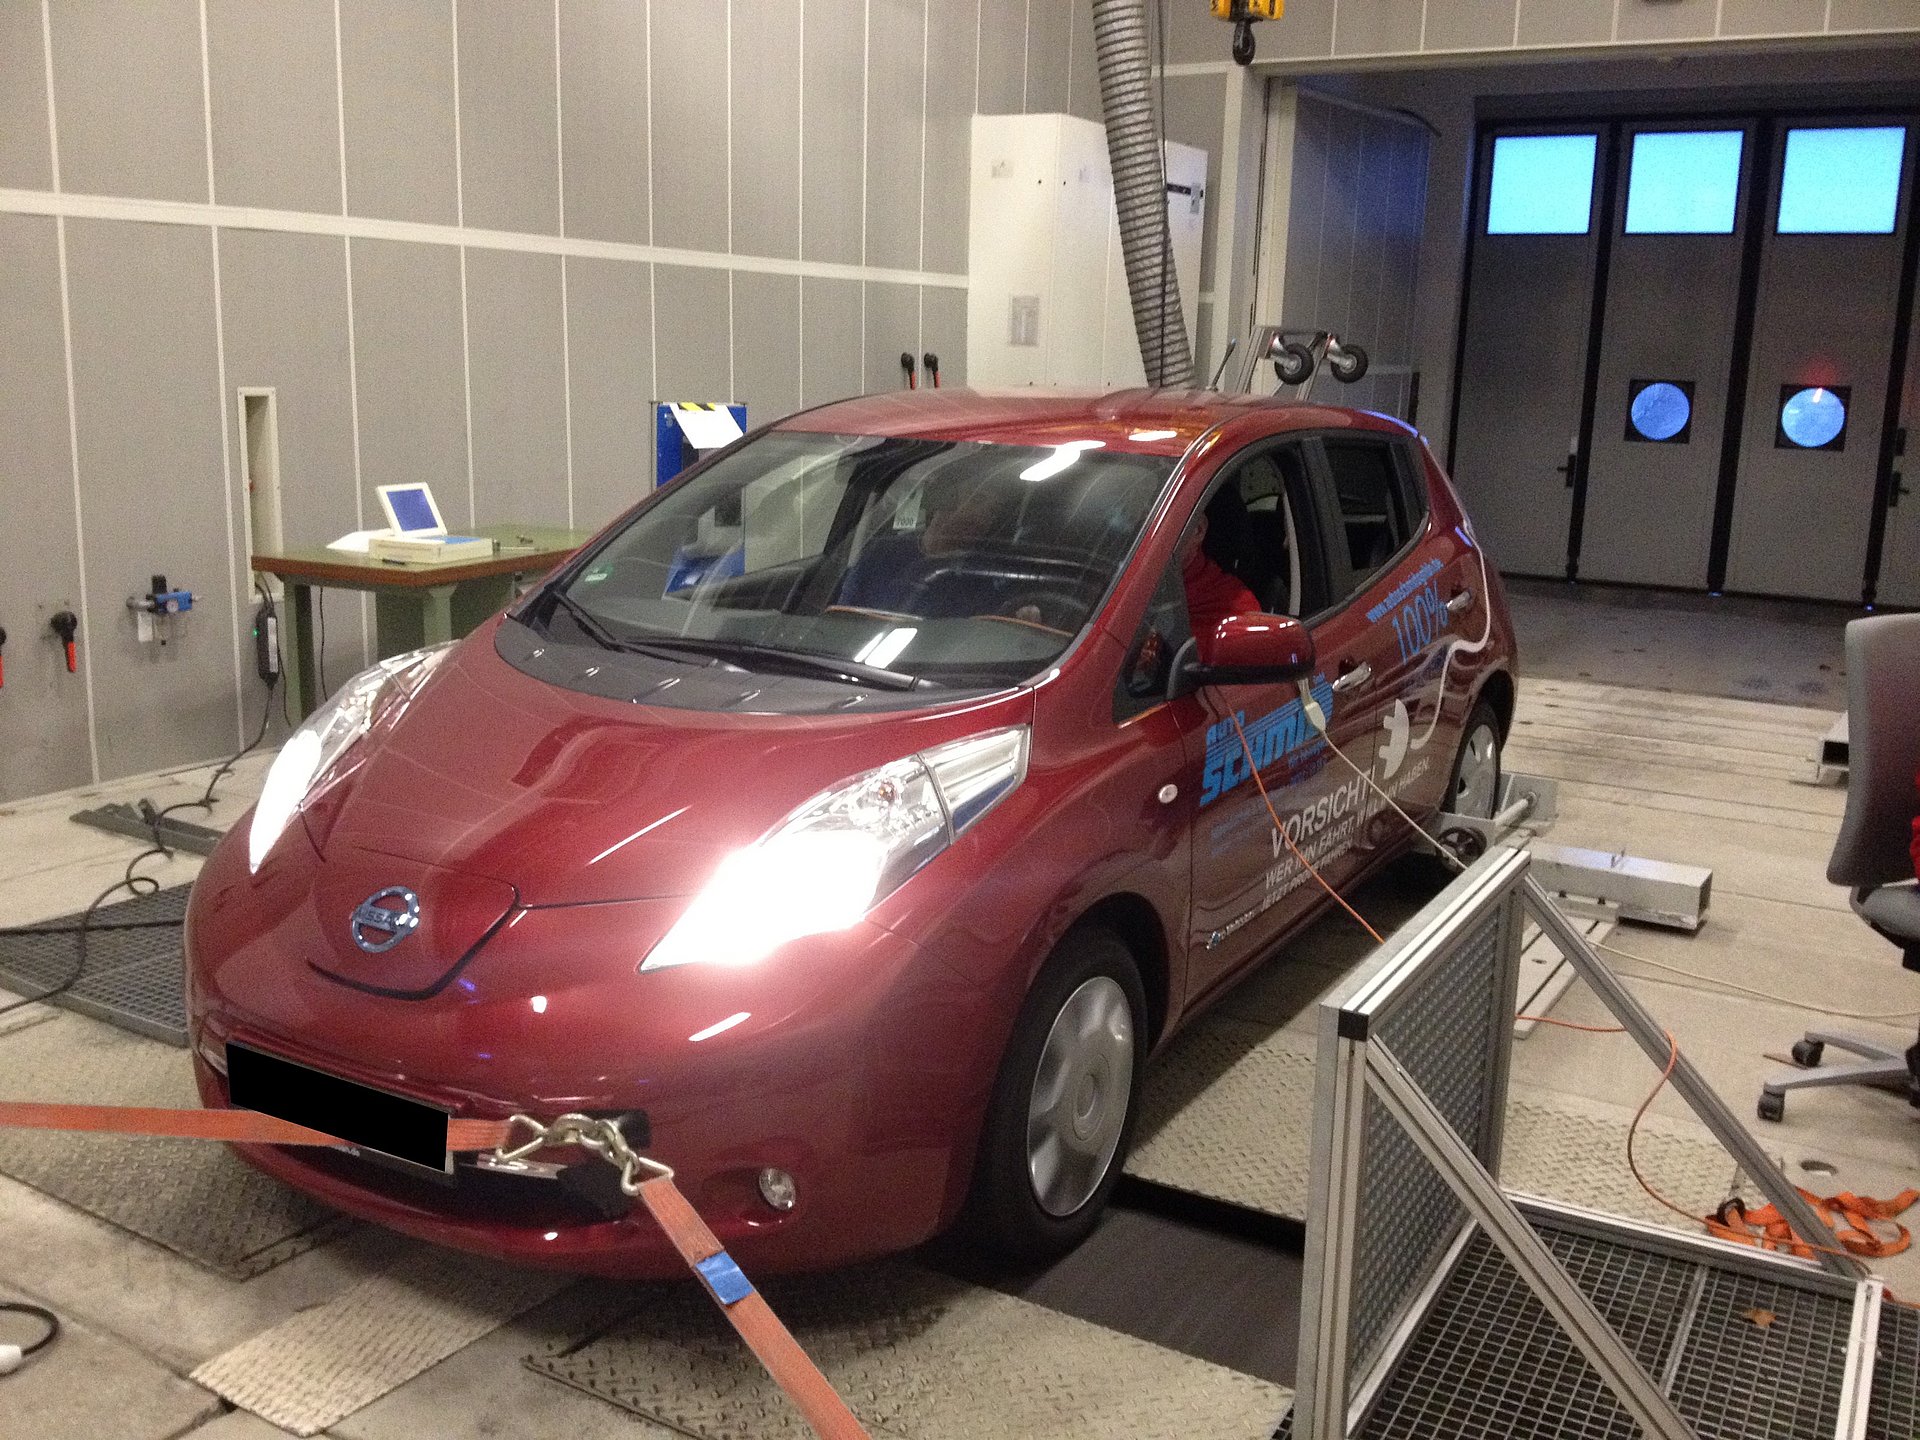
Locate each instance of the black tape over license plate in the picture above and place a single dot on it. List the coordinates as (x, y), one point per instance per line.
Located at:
(380, 1124)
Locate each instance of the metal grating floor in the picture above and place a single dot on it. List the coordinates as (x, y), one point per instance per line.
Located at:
(1893, 1412)
(1489, 1361)
(134, 979)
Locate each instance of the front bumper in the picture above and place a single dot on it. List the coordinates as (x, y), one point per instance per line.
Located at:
(853, 1061)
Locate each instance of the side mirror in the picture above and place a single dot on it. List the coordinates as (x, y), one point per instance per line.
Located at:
(1252, 649)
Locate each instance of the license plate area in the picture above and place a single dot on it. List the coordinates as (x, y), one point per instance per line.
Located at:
(376, 1124)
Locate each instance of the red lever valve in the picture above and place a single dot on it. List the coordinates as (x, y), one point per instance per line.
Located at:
(67, 626)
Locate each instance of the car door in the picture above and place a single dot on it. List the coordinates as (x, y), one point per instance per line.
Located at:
(1384, 640)
(1249, 884)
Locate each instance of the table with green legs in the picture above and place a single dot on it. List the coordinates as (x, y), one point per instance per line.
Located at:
(413, 605)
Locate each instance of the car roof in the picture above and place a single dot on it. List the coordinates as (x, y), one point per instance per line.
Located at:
(1151, 422)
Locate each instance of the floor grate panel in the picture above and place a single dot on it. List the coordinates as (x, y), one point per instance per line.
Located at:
(1763, 1358)
(134, 979)
(1893, 1412)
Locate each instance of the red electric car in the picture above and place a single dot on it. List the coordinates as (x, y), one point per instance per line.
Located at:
(853, 817)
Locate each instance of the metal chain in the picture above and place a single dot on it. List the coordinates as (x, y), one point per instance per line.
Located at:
(604, 1138)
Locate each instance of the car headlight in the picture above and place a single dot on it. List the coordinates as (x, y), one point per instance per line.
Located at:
(844, 851)
(327, 735)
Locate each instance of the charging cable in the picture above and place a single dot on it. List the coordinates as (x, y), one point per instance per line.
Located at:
(12, 1357)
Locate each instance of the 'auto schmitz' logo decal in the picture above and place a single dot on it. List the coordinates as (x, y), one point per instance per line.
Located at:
(383, 920)
(1281, 734)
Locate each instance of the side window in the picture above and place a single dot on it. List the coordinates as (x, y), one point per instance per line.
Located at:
(1378, 513)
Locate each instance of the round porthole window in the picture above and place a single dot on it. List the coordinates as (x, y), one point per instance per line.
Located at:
(1660, 410)
(1814, 417)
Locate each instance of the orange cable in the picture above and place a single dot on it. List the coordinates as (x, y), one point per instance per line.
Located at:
(1281, 830)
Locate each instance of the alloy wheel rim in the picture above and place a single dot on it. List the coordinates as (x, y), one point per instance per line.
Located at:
(1479, 774)
(1081, 1091)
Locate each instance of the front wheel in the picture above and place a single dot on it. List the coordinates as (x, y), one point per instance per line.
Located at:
(1063, 1103)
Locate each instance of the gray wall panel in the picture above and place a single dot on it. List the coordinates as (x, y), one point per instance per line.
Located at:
(1674, 20)
(1083, 65)
(147, 395)
(609, 337)
(691, 327)
(1194, 36)
(766, 128)
(943, 330)
(1768, 17)
(509, 131)
(1470, 25)
(284, 307)
(892, 325)
(1306, 30)
(397, 66)
(949, 136)
(690, 126)
(831, 340)
(1555, 22)
(766, 347)
(130, 129)
(25, 157)
(1048, 29)
(519, 388)
(276, 107)
(895, 74)
(1377, 27)
(832, 77)
(411, 370)
(603, 98)
(1196, 110)
(1003, 56)
(1874, 15)
(43, 710)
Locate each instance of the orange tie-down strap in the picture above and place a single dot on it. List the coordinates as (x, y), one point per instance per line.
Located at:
(745, 1308)
(1851, 1218)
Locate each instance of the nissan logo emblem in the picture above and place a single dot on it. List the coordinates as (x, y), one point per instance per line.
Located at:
(382, 921)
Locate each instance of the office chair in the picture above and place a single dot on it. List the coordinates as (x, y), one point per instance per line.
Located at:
(1871, 855)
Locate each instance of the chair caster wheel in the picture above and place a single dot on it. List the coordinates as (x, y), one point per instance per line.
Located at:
(1807, 1053)
(1772, 1107)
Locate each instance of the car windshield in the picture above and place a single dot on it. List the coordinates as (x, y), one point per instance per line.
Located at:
(868, 558)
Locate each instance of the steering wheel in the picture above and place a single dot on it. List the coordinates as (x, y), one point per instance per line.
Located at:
(1048, 608)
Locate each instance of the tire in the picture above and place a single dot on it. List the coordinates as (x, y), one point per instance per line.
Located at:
(1293, 364)
(1808, 1053)
(1771, 1106)
(1021, 1207)
(1471, 784)
(1349, 365)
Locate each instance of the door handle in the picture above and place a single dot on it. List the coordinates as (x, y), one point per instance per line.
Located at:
(1354, 678)
(1458, 603)
(1566, 468)
(1898, 489)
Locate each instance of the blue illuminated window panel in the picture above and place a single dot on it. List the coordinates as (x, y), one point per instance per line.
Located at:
(1842, 181)
(1684, 182)
(1541, 185)
(1660, 411)
(1813, 417)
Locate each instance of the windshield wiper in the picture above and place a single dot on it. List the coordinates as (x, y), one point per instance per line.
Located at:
(595, 628)
(806, 662)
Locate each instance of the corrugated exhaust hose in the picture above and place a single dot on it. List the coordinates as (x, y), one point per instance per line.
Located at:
(1140, 189)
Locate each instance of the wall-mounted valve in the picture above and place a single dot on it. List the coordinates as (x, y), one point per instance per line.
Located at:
(66, 626)
(932, 363)
(157, 611)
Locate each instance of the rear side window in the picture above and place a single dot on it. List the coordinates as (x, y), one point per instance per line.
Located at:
(1379, 506)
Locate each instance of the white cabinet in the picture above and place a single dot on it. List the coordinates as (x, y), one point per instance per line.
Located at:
(1047, 299)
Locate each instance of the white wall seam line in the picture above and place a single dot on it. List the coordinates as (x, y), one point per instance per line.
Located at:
(727, 54)
(566, 327)
(73, 401)
(866, 95)
(362, 227)
(653, 270)
(926, 39)
(220, 373)
(460, 215)
(353, 357)
(800, 214)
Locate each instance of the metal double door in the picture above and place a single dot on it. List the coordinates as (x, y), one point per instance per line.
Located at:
(1564, 333)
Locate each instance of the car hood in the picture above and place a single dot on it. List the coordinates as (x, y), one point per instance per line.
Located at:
(572, 798)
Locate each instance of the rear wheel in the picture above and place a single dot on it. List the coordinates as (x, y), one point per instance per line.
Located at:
(1064, 1102)
(1475, 787)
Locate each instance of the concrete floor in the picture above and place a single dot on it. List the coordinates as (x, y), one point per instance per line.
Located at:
(1735, 646)
(1671, 776)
